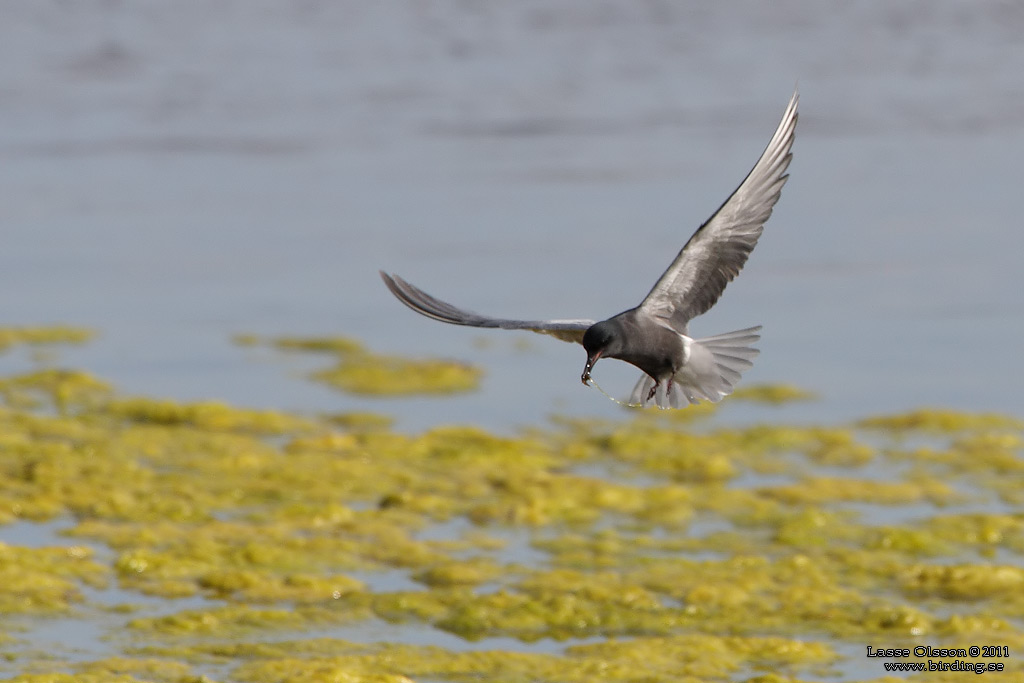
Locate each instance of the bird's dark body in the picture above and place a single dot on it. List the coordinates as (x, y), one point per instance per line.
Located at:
(654, 348)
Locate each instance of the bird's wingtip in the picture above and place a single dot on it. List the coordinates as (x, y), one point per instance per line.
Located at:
(392, 282)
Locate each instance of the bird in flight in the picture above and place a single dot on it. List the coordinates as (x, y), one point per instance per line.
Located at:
(678, 369)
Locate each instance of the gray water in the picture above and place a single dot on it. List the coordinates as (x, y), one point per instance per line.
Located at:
(175, 173)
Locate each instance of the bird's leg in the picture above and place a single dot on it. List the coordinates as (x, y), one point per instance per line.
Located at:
(653, 391)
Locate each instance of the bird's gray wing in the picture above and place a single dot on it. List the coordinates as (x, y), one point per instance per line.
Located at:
(720, 247)
(421, 302)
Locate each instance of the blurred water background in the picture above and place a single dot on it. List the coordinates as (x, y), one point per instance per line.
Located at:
(176, 173)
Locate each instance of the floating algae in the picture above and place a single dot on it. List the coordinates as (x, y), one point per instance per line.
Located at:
(43, 335)
(363, 372)
(59, 389)
(46, 580)
(212, 542)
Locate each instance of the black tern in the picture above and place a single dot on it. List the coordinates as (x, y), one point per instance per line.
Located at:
(654, 336)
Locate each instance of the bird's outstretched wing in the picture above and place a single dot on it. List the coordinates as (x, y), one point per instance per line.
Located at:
(421, 302)
(717, 251)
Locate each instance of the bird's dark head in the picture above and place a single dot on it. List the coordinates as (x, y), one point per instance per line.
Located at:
(598, 340)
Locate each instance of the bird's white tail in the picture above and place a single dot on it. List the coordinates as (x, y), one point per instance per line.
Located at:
(713, 367)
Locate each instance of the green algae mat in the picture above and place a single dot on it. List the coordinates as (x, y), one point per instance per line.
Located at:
(153, 540)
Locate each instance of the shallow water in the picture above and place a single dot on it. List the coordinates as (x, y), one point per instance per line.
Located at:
(177, 173)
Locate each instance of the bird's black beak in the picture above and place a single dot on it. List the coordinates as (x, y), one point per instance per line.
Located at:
(591, 360)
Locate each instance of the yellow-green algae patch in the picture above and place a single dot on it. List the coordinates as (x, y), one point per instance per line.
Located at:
(360, 371)
(62, 390)
(937, 421)
(691, 657)
(239, 620)
(46, 580)
(968, 582)
(155, 670)
(81, 677)
(46, 334)
(659, 540)
(207, 416)
(834, 489)
(775, 394)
